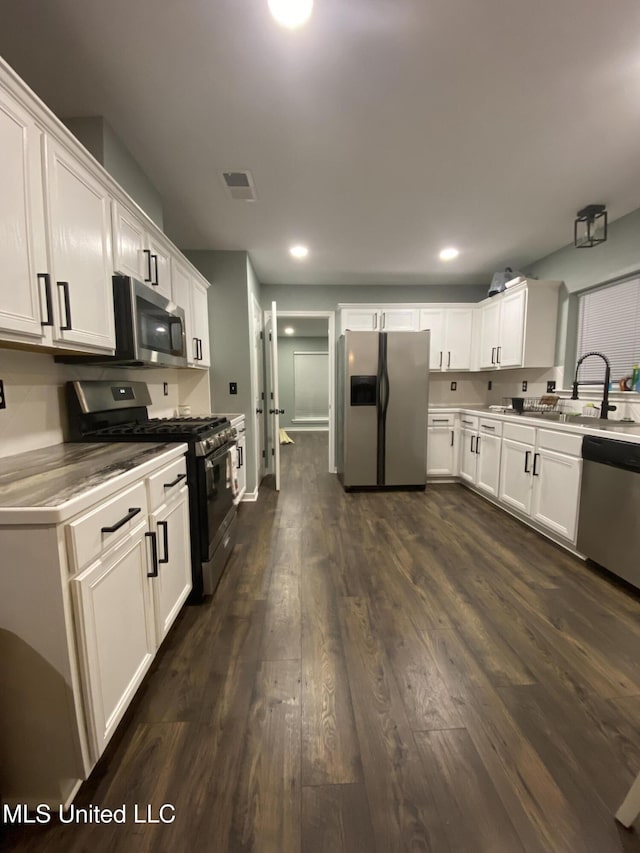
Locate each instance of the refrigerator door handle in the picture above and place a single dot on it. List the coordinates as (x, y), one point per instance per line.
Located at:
(382, 406)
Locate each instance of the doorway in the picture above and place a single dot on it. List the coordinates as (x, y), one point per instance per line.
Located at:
(306, 373)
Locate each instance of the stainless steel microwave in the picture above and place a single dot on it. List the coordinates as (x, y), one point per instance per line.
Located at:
(150, 329)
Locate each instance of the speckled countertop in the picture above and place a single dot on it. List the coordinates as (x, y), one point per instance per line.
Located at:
(58, 479)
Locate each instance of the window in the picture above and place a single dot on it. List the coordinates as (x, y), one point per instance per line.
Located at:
(609, 322)
(311, 386)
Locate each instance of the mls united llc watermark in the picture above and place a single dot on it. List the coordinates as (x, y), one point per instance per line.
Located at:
(21, 814)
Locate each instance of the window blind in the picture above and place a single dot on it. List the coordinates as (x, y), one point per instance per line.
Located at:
(311, 385)
(609, 322)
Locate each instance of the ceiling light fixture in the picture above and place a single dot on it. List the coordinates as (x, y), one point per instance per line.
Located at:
(289, 330)
(298, 252)
(449, 254)
(291, 13)
(590, 226)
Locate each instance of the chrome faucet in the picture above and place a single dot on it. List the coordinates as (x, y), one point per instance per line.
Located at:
(605, 408)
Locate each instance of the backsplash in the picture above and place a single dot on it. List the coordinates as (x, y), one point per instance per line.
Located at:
(34, 392)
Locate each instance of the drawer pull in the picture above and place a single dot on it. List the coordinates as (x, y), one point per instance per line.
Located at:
(469, 423)
(175, 482)
(133, 511)
(440, 420)
(484, 426)
(154, 555)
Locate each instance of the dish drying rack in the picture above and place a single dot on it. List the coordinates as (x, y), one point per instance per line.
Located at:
(546, 403)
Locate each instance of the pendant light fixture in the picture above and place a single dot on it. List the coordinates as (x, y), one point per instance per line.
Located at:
(590, 226)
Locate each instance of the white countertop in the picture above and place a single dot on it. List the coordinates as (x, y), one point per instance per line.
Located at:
(611, 429)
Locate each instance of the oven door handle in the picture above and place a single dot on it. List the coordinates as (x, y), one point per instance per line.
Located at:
(220, 453)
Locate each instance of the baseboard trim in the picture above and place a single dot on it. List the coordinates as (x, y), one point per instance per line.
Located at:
(249, 497)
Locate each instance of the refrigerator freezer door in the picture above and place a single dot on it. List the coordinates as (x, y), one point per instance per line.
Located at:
(406, 415)
(360, 428)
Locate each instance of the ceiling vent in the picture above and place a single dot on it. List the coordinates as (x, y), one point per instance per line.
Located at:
(240, 185)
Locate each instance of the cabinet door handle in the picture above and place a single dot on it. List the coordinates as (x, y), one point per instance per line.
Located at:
(493, 361)
(175, 482)
(448, 359)
(154, 555)
(47, 298)
(241, 456)
(472, 437)
(133, 511)
(67, 306)
(200, 347)
(452, 434)
(526, 461)
(440, 358)
(154, 281)
(498, 350)
(165, 541)
(535, 472)
(195, 346)
(384, 321)
(148, 276)
(478, 445)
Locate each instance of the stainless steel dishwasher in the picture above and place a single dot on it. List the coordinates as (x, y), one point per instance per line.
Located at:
(608, 529)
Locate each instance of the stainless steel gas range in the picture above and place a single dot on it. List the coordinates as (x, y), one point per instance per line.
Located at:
(103, 410)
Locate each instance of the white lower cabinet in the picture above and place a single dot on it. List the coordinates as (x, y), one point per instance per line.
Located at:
(442, 446)
(540, 478)
(117, 640)
(172, 570)
(480, 452)
(88, 591)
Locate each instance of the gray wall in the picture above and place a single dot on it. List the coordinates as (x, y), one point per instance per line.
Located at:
(310, 297)
(580, 269)
(229, 337)
(286, 348)
(100, 140)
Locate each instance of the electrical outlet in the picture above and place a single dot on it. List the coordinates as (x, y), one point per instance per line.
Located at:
(489, 385)
(165, 388)
(233, 387)
(551, 386)
(3, 399)
(454, 386)
(524, 385)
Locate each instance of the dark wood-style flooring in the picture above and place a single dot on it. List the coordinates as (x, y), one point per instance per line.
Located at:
(381, 672)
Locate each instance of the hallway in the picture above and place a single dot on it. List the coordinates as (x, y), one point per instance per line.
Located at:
(380, 672)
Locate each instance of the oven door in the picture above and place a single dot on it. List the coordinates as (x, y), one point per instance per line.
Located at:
(219, 495)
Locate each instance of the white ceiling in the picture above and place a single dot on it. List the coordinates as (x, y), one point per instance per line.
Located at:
(381, 132)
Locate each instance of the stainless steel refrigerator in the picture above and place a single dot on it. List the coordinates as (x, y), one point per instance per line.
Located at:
(382, 395)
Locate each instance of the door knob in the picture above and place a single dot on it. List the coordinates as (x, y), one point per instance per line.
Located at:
(276, 411)
(258, 411)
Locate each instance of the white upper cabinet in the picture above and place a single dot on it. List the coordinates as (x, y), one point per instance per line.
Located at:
(80, 264)
(398, 319)
(517, 328)
(359, 319)
(451, 335)
(139, 253)
(368, 318)
(23, 261)
(191, 295)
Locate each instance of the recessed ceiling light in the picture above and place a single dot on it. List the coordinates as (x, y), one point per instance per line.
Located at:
(298, 251)
(289, 330)
(449, 254)
(291, 13)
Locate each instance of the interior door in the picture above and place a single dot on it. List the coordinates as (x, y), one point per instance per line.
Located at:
(271, 335)
(257, 390)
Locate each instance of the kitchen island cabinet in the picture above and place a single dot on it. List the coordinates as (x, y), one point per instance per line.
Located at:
(82, 606)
